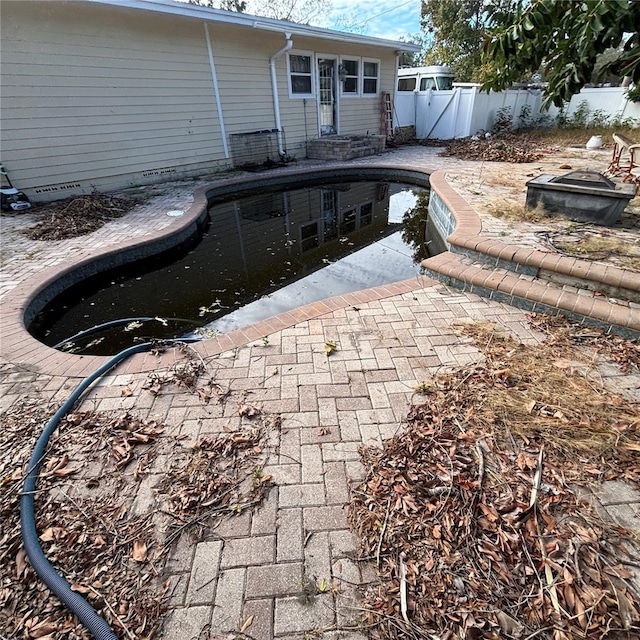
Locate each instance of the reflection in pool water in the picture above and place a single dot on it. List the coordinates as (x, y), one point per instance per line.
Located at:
(260, 255)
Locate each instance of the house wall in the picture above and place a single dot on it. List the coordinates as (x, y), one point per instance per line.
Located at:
(276, 220)
(102, 98)
(98, 97)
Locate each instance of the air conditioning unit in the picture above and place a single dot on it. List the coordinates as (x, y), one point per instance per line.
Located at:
(255, 149)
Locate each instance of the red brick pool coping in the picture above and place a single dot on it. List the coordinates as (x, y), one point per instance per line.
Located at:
(19, 347)
(468, 235)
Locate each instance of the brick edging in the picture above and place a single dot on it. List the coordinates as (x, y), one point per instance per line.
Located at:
(20, 348)
(467, 235)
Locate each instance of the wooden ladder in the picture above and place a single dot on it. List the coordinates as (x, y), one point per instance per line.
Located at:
(386, 115)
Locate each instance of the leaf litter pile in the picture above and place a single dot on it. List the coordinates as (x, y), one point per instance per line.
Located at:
(78, 215)
(90, 528)
(469, 513)
(503, 148)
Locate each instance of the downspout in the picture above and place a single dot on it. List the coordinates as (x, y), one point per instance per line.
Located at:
(216, 89)
(274, 89)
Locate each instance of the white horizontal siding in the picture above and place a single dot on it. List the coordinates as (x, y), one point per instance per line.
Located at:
(242, 66)
(89, 93)
(99, 95)
(363, 114)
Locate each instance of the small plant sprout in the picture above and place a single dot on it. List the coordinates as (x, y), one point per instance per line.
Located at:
(265, 341)
(256, 477)
(323, 586)
(424, 387)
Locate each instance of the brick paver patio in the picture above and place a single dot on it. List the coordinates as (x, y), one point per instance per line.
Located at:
(265, 563)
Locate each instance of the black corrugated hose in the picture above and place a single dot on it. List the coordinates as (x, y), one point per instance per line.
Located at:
(86, 614)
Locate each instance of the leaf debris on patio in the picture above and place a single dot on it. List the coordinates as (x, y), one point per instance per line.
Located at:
(89, 526)
(87, 530)
(505, 148)
(469, 513)
(78, 215)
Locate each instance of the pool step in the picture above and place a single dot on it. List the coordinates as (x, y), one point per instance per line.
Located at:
(532, 293)
(606, 280)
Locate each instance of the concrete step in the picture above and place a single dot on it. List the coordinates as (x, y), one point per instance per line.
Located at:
(532, 293)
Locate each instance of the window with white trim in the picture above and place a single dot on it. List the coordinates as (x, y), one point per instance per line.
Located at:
(309, 236)
(350, 71)
(370, 77)
(300, 68)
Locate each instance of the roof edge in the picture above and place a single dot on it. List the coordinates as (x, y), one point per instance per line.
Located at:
(176, 8)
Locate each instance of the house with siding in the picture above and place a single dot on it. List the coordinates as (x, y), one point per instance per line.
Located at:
(105, 94)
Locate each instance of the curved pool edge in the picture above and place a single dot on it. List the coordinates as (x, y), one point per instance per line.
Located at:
(20, 305)
(594, 309)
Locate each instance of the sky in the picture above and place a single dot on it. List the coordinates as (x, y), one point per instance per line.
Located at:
(390, 19)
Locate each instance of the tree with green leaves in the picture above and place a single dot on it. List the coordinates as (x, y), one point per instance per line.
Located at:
(563, 39)
(454, 34)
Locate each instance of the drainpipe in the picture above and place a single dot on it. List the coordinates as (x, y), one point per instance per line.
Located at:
(216, 90)
(274, 89)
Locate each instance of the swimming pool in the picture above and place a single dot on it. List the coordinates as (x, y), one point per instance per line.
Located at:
(260, 250)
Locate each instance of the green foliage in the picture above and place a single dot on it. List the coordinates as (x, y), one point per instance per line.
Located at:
(408, 59)
(528, 121)
(503, 123)
(564, 38)
(634, 92)
(415, 227)
(582, 119)
(453, 30)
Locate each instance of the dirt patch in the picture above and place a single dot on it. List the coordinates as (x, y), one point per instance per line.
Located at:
(469, 514)
(592, 243)
(578, 136)
(78, 216)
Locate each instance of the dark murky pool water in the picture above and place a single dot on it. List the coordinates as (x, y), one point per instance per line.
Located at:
(258, 256)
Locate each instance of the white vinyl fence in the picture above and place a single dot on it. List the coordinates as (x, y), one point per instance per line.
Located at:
(465, 110)
(610, 101)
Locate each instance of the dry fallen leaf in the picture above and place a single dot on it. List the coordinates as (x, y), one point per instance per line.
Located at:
(246, 624)
(509, 625)
(247, 411)
(487, 564)
(21, 562)
(43, 629)
(139, 553)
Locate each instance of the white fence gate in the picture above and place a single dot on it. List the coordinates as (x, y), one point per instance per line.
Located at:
(444, 114)
(465, 110)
